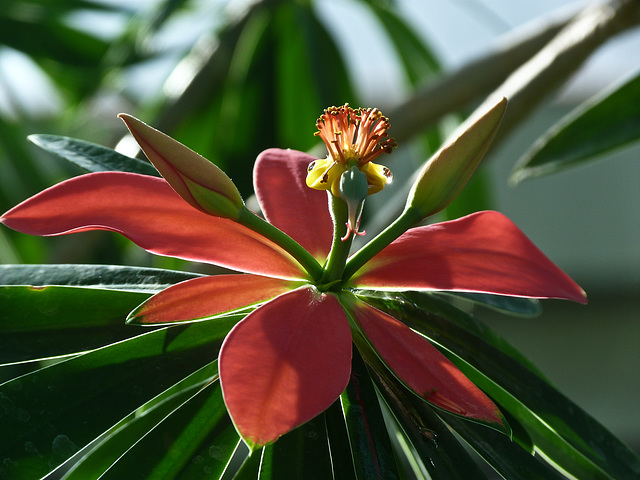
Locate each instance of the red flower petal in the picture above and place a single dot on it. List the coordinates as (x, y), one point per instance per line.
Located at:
(285, 363)
(208, 296)
(422, 367)
(147, 211)
(483, 252)
(287, 202)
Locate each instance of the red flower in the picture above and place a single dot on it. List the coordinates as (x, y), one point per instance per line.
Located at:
(290, 358)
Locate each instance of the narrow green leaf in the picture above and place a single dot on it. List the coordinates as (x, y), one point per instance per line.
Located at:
(99, 456)
(250, 468)
(71, 403)
(608, 121)
(438, 451)
(508, 458)
(90, 156)
(197, 439)
(368, 435)
(46, 322)
(111, 277)
(525, 307)
(559, 428)
(301, 453)
(341, 457)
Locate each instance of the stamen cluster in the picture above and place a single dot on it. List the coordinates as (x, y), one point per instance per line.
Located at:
(354, 134)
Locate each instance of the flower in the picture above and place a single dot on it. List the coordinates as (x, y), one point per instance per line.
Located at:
(353, 138)
(290, 358)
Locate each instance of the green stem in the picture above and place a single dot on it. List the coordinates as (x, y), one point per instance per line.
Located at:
(405, 221)
(339, 249)
(277, 236)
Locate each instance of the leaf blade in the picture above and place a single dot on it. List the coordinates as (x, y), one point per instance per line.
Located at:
(608, 121)
(90, 156)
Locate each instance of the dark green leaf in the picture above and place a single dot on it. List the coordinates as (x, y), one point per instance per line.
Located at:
(20, 172)
(368, 435)
(98, 457)
(558, 427)
(305, 84)
(90, 156)
(339, 445)
(64, 44)
(195, 440)
(301, 453)
(46, 322)
(432, 445)
(249, 470)
(525, 307)
(110, 277)
(606, 122)
(71, 403)
(508, 458)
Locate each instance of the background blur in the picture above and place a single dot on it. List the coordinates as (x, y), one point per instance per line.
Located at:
(230, 78)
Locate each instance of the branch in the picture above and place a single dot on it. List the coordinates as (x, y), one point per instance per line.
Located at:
(524, 69)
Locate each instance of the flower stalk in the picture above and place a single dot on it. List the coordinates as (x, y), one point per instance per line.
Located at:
(277, 236)
(404, 222)
(340, 247)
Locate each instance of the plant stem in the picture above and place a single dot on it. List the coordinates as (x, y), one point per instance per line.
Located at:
(409, 217)
(277, 236)
(339, 249)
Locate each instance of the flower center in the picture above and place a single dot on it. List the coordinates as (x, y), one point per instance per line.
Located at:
(354, 135)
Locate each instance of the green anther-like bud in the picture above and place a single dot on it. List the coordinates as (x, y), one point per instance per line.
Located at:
(444, 175)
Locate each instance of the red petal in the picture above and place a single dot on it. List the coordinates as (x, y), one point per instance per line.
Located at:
(208, 296)
(422, 367)
(287, 202)
(285, 363)
(147, 211)
(483, 252)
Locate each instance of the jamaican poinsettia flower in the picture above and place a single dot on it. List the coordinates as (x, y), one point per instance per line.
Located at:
(353, 138)
(290, 358)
